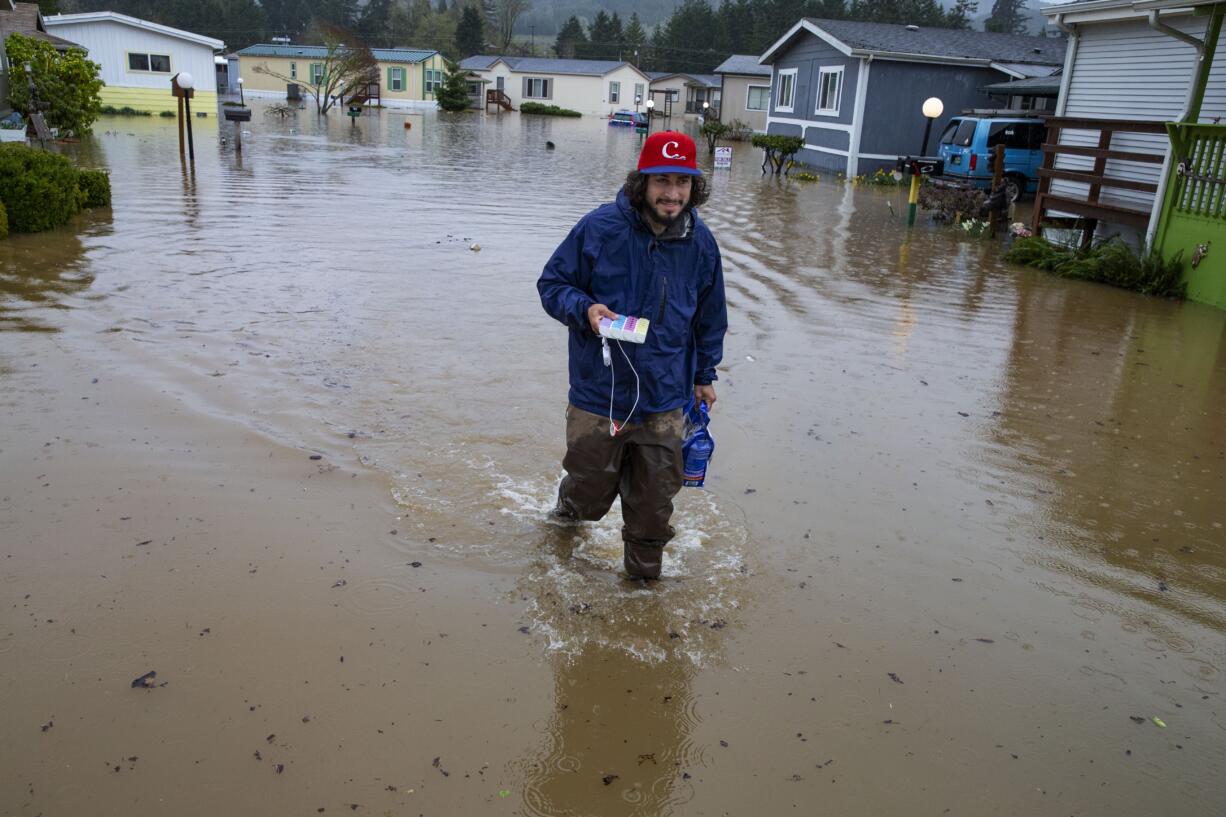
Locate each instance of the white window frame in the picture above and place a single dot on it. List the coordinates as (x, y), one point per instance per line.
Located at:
(823, 72)
(433, 80)
(544, 88)
(640, 93)
(791, 106)
(149, 62)
(766, 88)
(615, 92)
(293, 70)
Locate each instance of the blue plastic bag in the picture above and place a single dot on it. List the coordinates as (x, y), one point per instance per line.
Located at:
(697, 445)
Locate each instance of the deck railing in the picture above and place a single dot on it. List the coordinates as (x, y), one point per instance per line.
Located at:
(1088, 210)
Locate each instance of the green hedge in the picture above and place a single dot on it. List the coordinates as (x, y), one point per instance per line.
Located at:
(546, 110)
(111, 110)
(41, 190)
(4, 221)
(96, 185)
(1111, 262)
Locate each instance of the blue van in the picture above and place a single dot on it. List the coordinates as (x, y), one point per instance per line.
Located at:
(968, 141)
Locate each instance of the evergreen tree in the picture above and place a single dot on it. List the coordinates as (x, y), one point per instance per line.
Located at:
(687, 41)
(442, 7)
(571, 40)
(599, 35)
(341, 13)
(470, 33)
(1007, 17)
(453, 95)
(635, 39)
(960, 15)
(617, 42)
(373, 22)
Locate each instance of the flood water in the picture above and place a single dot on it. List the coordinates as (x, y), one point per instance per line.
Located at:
(962, 541)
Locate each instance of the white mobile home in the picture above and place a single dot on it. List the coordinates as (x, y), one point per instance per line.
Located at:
(594, 87)
(138, 58)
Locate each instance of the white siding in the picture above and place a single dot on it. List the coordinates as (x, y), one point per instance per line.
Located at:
(109, 43)
(589, 95)
(1126, 70)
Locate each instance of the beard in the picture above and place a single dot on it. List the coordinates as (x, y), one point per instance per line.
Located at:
(663, 220)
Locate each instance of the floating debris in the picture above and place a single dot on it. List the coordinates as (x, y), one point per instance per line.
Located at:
(146, 681)
(894, 677)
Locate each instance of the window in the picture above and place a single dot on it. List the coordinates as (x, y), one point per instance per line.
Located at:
(758, 98)
(638, 93)
(157, 63)
(829, 90)
(395, 79)
(787, 91)
(434, 79)
(537, 88)
(963, 135)
(293, 70)
(317, 73)
(615, 92)
(1016, 135)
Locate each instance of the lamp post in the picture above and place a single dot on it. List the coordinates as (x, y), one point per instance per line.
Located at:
(241, 100)
(182, 85)
(706, 109)
(651, 108)
(931, 109)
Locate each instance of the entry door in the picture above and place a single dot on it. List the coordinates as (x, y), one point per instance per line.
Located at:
(502, 82)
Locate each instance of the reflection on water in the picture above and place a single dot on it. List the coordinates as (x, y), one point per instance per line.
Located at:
(1110, 418)
(37, 273)
(620, 739)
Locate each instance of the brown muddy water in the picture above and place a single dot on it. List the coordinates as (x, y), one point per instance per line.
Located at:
(963, 541)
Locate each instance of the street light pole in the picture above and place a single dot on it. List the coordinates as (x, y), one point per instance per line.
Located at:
(932, 108)
(241, 100)
(651, 107)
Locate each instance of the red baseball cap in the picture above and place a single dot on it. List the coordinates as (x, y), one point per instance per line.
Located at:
(669, 152)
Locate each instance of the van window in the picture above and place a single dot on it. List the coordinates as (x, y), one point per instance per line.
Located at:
(965, 134)
(947, 135)
(1019, 135)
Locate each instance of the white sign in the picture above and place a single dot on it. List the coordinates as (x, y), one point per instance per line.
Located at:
(723, 157)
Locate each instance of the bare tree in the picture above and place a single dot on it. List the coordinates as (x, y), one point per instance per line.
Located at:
(502, 15)
(346, 63)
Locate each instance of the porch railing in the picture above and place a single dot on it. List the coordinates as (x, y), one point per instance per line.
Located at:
(1085, 212)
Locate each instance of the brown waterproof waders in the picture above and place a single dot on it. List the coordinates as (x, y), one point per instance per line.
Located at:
(642, 465)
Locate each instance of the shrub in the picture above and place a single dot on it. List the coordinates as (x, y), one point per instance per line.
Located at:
(111, 110)
(1110, 262)
(96, 185)
(167, 114)
(779, 150)
(4, 221)
(39, 189)
(68, 84)
(541, 109)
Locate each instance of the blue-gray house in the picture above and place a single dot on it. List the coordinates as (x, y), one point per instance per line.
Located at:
(854, 90)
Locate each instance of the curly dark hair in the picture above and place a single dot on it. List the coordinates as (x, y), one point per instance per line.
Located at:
(636, 190)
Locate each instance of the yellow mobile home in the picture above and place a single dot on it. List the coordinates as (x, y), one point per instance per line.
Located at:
(405, 76)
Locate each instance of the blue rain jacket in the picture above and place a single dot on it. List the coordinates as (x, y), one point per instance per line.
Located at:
(676, 280)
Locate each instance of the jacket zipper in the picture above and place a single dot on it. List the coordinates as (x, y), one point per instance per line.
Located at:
(663, 298)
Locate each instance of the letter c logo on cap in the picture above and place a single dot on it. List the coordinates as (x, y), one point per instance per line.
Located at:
(668, 146)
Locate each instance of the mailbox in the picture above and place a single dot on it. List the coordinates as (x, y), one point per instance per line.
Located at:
(236, 114)
(921, 165)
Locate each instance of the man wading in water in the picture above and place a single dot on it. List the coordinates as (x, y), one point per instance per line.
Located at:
(647, 255)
